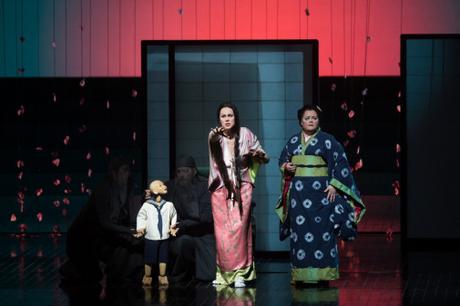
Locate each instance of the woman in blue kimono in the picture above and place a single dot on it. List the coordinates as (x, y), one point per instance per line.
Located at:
(320, 201)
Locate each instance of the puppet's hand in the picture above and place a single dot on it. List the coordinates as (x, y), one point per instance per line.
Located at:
(139, 233)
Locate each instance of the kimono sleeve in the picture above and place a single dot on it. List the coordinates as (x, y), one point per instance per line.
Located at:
(341, 176)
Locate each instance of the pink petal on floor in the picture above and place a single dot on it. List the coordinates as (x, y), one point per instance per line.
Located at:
(398, 148)
(82, 83)
(344, 106)
(40, 217)
(351, 114)
(13, 218)
(107, 104)
(82, 187)
(88, 156)
(39, 192)
(20, 175)
(21, 111)
(56, 203)
(65, 201)
(39, 148)
(107, 150)
(134, 136)
(133, 93)
(333, 87)
(398, 108)
(20, 164)
(67, 179)
(67, 191)
(57, 182)
(90, 172)
(54, 97)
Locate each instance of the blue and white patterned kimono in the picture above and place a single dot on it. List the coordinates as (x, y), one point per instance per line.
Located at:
(307, 217)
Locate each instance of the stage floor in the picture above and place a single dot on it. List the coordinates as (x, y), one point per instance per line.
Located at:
(372, 273)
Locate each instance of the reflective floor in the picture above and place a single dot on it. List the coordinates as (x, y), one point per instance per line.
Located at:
(372, 273)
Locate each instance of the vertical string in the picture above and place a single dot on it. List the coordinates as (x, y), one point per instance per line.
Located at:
(331, 27)
(66, 38)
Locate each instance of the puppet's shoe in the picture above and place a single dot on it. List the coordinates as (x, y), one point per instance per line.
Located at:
(147, 281)
(163, 280)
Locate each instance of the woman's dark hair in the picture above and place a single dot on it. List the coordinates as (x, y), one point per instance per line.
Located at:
(217, 155)
(307, 107)
(236, 128)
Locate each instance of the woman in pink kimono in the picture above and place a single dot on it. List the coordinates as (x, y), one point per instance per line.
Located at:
(234, 157)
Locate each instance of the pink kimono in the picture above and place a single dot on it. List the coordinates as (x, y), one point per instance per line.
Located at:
(233, 229)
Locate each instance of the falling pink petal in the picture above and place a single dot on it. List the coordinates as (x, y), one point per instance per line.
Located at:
(307, 12)
(67, 179)
(20, 175)
(67, 191)
(82, 128)
(20, 195)
(65, 201)
(82, 83)
(333, 87)
(344, 106)
(56, 162)
(358, 165)
(40, 217)
(56, 203)
(20, 164)
(351, 114)
(82, 102)
(66, 140)
(56, 228)
(399, 94)
(53, 44)
(13, 254)
(107, 150)
(90, 172)
(389, 234)
(352, 133)
(330, 60)
(397, 163)
(180, 11)
(57, 182)
(107, 104)
(398, 148)
(13, 218)
(358, 150)
(22, 227)
(88, 156)
(134, 136)
(64, 212)
(133, 93)
(82, 187)
(39, 192)
(396, 187)
(369, 38)
(54, 97)
(398, 108)
(21, 111)
(364, 92)
(39, 149)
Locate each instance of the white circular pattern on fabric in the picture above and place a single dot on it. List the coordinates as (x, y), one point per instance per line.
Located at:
(339, 209)
(351, 216)
(300, 254)
(313, 141)
(294, 139)
(294, 237)
(326, 236)
(298, 150)
(316, 185)
(309, 237)
(307, 203)
(335, 155)
(344, 155)
(333, 252)
(293, 203)
(317, 219)
(328, 143)
(325, 201)
(300, 220)
(349, 224)
(331, 218)
(298, 185)
(318, 254)
(345, 172)
(318, 151)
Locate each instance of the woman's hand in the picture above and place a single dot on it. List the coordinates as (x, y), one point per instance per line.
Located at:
(258, 155)
(331, 193)
(290, 167)
(217, 130)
